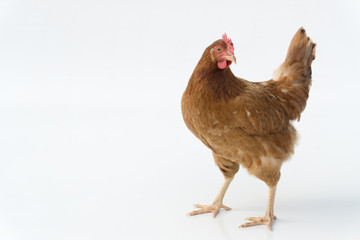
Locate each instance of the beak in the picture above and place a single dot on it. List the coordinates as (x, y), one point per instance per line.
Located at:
(231, 58)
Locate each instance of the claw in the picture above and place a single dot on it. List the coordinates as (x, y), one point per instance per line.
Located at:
(254, 221)
(214, 208)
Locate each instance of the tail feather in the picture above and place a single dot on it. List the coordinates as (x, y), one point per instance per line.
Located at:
(293, 77)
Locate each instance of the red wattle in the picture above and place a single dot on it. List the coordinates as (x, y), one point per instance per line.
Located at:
(222, 64)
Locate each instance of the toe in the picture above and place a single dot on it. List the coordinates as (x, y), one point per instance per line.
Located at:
(200, 206)
(215, 212)
(226, 207)
(249, 224)
(198, 212)
(254, 218)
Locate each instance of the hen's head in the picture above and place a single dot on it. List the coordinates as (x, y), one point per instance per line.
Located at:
(222, 52)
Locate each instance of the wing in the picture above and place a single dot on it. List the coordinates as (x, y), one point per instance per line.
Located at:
(258, 111)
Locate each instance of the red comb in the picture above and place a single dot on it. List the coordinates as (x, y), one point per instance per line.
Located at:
(228, 42)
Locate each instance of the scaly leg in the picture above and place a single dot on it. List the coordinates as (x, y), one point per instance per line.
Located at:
(217, 204)
(269, 215)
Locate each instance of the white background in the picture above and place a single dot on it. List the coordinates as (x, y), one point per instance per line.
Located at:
(92, 141)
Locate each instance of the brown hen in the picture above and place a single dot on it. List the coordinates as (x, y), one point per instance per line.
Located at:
(248, 123)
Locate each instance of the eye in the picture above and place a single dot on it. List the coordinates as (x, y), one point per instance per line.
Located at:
(232, 44)
(219, 49)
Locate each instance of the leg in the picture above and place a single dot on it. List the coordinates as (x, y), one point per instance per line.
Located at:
(217, 204)
(228, 169)
(269, 215)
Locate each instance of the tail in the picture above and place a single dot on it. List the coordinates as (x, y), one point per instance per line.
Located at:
(293, 77)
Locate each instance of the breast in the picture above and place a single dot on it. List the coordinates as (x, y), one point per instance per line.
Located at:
(247, 149)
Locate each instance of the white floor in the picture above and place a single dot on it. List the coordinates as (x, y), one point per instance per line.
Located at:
(89, 173)
(92, 141)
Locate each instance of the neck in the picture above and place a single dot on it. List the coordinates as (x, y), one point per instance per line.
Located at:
(224, 84)
(221, 84)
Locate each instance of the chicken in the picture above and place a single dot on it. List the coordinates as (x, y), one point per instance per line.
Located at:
(248, 123)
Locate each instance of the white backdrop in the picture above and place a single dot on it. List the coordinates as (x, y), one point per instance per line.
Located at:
(92, 141)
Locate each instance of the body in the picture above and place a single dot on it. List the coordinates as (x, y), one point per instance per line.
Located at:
(226, 131)
(247, 123)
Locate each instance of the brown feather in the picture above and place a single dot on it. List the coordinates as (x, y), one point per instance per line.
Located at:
(249, 123)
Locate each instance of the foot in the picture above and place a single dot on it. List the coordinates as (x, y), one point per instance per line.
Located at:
(214, 209)
(266, 220)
